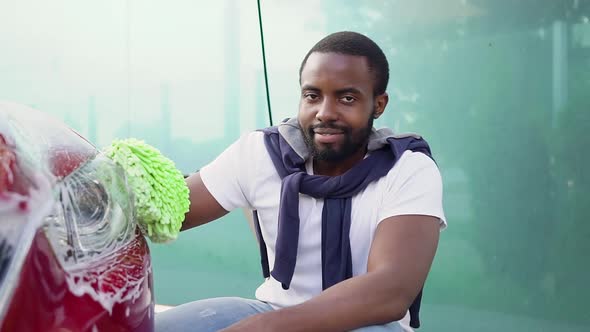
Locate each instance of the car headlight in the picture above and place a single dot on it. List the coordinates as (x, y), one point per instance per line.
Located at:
(93, 215)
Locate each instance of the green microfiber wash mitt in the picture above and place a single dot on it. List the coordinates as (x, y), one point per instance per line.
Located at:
(160, 192)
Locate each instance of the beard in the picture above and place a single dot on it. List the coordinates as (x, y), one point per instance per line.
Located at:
(354, 140)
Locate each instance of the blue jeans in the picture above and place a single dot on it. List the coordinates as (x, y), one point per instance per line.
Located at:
(215, 314)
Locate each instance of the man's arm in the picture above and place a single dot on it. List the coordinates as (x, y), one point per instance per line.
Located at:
(401, 255)
(204, 207)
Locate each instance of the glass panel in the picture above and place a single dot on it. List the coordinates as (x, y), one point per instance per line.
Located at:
(186, 77)
(500, 90)
(69, 59)
(196, 83)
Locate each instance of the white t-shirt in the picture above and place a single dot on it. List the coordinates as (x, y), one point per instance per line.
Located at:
(243, 176)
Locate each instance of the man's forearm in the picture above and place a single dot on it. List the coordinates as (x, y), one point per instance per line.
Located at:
(370, 299)
(400, 258)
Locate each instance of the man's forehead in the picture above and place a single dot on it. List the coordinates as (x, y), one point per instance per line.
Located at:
(335, 61)
(349, 70)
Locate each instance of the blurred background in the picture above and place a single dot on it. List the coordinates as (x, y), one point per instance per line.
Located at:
(499, 88)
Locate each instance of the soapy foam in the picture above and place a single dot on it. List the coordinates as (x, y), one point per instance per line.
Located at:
(25, 199)
(19, 228)
(115, 279)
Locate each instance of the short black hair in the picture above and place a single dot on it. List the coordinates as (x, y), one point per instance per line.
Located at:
(354, 43)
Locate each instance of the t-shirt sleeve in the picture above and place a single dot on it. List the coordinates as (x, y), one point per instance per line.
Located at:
(416, 189)
(226, 176)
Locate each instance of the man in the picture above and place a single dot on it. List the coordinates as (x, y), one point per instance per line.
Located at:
(348, 217)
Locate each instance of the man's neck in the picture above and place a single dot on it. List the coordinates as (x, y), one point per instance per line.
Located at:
(335, 168)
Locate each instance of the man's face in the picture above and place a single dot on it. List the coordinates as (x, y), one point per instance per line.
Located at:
(337, 106)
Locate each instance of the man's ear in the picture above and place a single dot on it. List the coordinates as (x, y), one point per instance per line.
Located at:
(380, 103)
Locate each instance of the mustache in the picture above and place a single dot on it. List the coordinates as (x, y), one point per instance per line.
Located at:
(329, 126)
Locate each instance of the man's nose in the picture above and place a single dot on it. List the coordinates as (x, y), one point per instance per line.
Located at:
(327, 111)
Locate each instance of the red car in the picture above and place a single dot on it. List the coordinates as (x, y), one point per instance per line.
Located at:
(71, 255)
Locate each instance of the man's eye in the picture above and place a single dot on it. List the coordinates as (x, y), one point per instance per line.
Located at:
(348, 99)
(310, 96)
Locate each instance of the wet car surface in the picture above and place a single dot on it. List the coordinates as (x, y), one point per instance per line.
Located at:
(71, 255)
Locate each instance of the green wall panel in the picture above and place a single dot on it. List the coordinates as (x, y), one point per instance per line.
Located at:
(500, 90)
